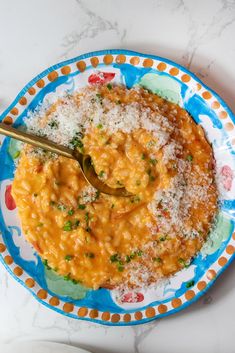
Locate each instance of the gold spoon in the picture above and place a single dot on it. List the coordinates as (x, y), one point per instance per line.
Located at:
(83, 160)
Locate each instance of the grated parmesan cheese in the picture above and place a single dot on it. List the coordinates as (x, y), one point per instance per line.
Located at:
(88, 194)
(78, 113)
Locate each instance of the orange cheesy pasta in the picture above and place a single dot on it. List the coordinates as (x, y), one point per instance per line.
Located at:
(136, 140)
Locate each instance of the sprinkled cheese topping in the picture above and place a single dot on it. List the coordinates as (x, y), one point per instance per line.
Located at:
(76, 114)
(88, 194)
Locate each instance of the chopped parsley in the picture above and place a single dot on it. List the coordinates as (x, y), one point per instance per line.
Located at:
(189, 158)
(52, 203)
(143, 156)
(99, 98)
(75, 281)
(153, 161)
(135, 199)
(77, 143)
(81, 207)
(99, 126)
(190, 284)
(67, 226)
(157, 259)
(35, 195)
(68, 257)
(132, 255)
(109, 86)
(91, 255)
(139, 252)
(40, 224)
(118, 101)
(112, 206)
(183, 262)
(70, 212)
(101, 174)
(151, 177)
(76, 223)
(163, 238)
(120, 268)
(45, 263)
(53, 124)
(97, 194)
(67, 277)
(114, 258)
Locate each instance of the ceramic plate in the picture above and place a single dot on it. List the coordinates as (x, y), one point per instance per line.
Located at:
(174, 83)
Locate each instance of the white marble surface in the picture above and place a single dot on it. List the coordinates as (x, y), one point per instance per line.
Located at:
(199, 34)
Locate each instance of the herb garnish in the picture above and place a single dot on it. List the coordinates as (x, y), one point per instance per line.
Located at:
(53, 124)
(81, 207)
(101, 174)
(153, 161)
(77, 143)
(135, 199)
(71, 212)
(91, 255)
(189, 158)
(157, 259)
(67, 226)
(68, 257)
(183, 262)
(45, 263)
(114, 258)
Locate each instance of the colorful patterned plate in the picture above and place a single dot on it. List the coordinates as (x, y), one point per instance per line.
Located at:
(176, 84)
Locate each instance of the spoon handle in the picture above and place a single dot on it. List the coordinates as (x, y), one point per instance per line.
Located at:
(36, 141)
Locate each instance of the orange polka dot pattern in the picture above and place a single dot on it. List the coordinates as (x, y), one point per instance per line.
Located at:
(65, 70)
(8, 120)
(68, 307)
(134, 60)
(52, 76)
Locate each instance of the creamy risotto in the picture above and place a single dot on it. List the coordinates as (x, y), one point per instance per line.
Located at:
(137, 140)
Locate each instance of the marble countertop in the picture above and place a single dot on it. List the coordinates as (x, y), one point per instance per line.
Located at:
(199, 35)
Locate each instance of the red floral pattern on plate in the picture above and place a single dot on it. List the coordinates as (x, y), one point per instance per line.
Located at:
(101, 77)
(227, 177)
(132, 297)
(9, 201)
